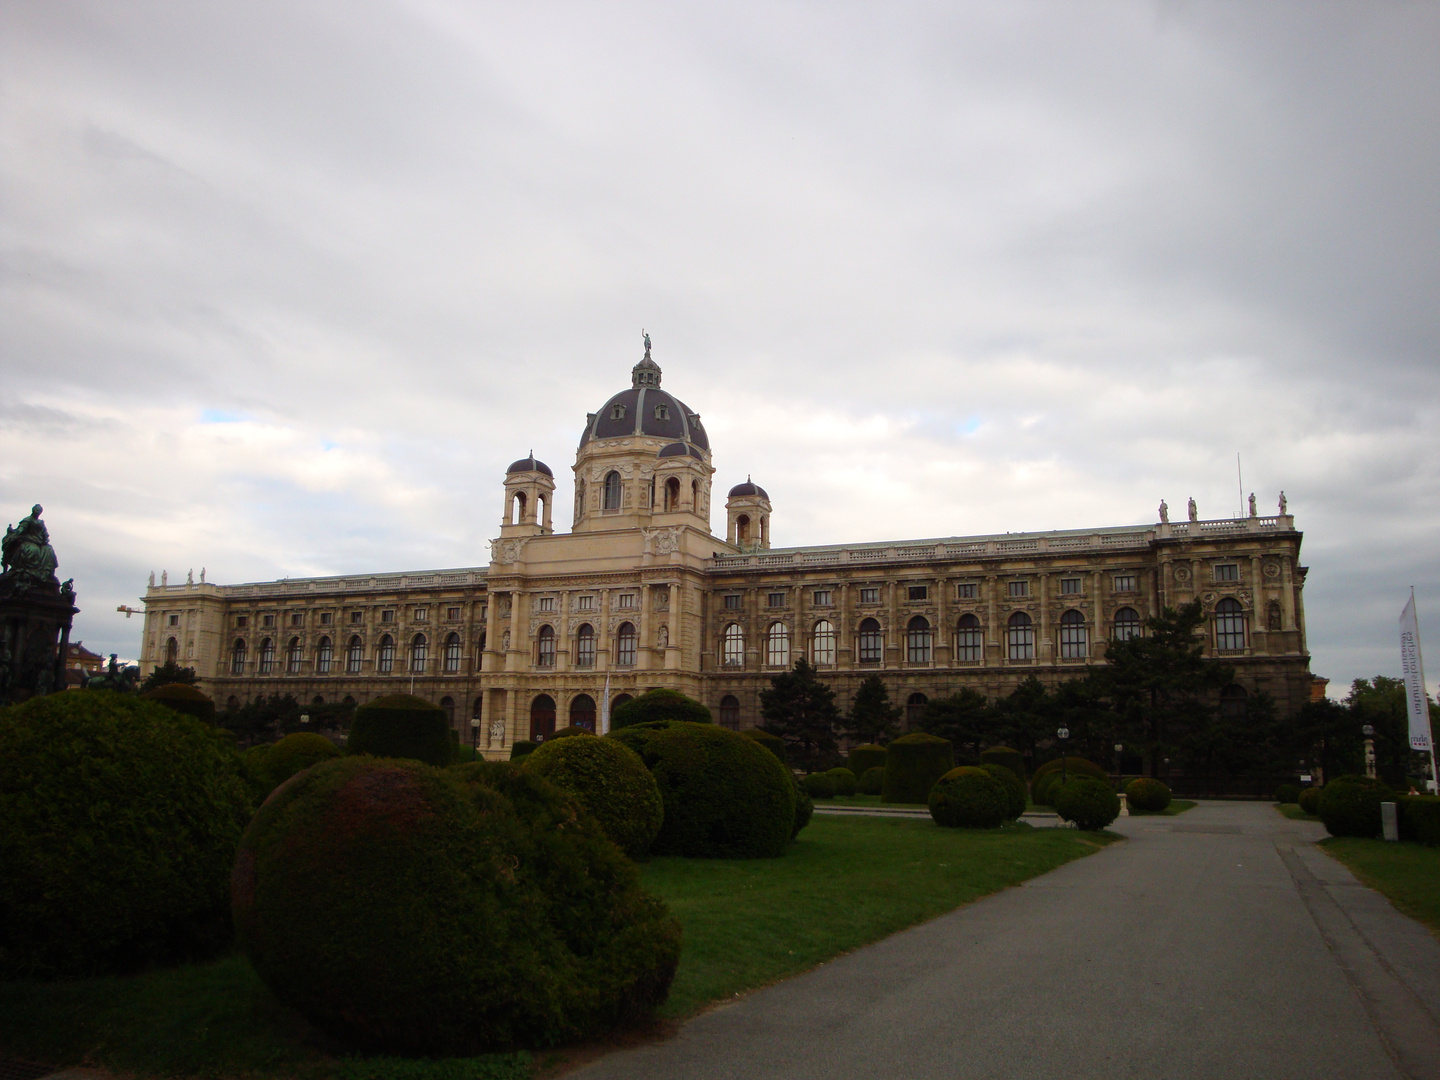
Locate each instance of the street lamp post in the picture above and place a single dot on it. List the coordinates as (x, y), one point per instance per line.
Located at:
(1119, 763)
(1062, 735)
(1369, 732)
(475, 735)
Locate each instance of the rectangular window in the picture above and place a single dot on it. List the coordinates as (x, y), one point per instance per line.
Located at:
(869, 596)
(547, 603)
(242, 621)
(422, 614)
(1124, 582)
(452, 614)
(267, 620)
(775, 599)
(326, 618)
(297, 619)
(1227, 572)
(585, 603)
(1070, 586)
(1018, 588)
(174, 620)
(626, 600)
(387, 616)
(732, 602)
(356, 618)
(967, 590)
(822, 598)
(918, 592)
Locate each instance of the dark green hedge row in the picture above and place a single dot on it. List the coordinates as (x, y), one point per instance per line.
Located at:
(864, 757)
(912, 765)
(1287, 793)
(872, 781)
(1350, 805)
(402, 726)
(184, 699)
(1419, 819)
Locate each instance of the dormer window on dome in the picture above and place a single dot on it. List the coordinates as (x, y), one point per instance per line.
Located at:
(662, 412)
(617, 411)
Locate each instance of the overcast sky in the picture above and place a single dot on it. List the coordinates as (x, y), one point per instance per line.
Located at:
(287, 285)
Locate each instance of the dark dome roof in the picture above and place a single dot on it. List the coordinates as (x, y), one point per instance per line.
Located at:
(748, 488)
(529, 464)
(678, 449)
(645, 409)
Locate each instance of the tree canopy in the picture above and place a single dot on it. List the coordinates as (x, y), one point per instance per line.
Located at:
(801, 709)
(872, 718)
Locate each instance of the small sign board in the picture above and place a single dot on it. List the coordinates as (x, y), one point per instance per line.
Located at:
(1305, 778)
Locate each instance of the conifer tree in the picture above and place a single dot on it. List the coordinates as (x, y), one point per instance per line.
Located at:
(801, 709)
(872, 718)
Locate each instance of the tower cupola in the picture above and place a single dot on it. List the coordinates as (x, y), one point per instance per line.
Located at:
(529, 491)
(747, 517)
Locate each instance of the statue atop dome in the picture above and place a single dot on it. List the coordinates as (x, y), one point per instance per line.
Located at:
(646, 372)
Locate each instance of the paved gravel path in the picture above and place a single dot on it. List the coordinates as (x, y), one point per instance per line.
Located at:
(1217, 944)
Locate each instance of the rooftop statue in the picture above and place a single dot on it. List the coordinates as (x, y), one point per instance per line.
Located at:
(28, 559)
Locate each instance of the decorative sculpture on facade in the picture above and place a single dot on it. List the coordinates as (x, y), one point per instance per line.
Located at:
(1164, 512)
(1283, 504)
(1194, 510)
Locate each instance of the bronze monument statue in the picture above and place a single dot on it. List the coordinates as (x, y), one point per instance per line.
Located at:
(36, 612)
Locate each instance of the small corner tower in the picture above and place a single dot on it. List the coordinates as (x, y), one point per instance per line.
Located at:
(529, 491)
(747, 517)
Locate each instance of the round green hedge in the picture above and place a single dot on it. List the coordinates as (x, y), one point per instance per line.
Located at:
(414, 910)
(610, 781)
(1004, 755)
(773, 743)
(1013, 785)
(1088, 802)
(522, 747)
(402, 726)
(119, 820)
(866, 756)
(660, 704)
(1042, 790)
(185, 699)
(725, 796)
(844, 780)
(1350, 805)
(872, 781)
(295, 753)
(1309, 799)
(819, 785)
(912, 765)
(254, 773)
(570, 732)
(1287, 793)
(804, 809)
(1143, 793)
(968, 798)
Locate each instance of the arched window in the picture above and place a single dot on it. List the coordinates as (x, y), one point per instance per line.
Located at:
(585, 646)
(542, 717)
(732, 642)
(822, 643)
(452, 653)
(1229, 625)
(625, 642)
(354, 656)
(672, 493)
(172, 651)
(917, 640)
(317, 702)
(1233, 703)
(914, 709)
(385, 655)
(237, 658)
(545, 647)
(267, 656)
(967, 639)
(777, 645)
(1021, 636)
(870, 642)
(419, 653)
(519, 503)
(232, 704)
(448, 704)
(324, 656)
(292, 657)
(612, 490)
(582, 712)
(1127, 624)
(742, 527)
(730, 712)
(617, 701)
(1074, 642)
(695, 495)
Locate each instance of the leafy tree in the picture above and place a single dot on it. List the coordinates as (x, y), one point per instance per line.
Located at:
(1325, 734)
(801, 709)
(965, 718)
(872, 718)
(1381, 703)
(166, 674)
(265, 719)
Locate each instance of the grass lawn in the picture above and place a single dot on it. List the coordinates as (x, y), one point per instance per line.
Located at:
(1177, 806)
(1408, 874)
(845, 883)
(1294, 813)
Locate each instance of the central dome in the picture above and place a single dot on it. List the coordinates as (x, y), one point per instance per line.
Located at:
(645, 409)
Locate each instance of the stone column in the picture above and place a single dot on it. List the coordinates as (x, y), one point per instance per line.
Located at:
(1045, 654)
(993, 654)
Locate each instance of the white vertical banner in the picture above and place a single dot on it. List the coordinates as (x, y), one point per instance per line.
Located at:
(605, 708)
(1416, 700)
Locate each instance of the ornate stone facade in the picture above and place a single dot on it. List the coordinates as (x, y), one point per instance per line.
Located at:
(640, 594)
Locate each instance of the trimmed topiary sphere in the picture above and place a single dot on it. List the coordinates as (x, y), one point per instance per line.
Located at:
(184, 699)
(119, 820)
(570, 732)
(872, 781)
(1419, 818)
(725, 796)
(773, 743)
(1004, 755)
(1309, 799)
(446, 912)
(521, 747)
(1014, 788)
(295, 753)
(1088, 802)
(1042, 784)
(819, 785)
(844, 780)
(912, 765)
(1350, 805)
(1287, 793)
(402, 726)
(610, 781)
(660, 704)
(254, 773)
(866, 756)
(1143, 793)
(968, 798)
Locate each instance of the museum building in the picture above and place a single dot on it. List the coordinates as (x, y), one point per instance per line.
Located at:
(639, 594)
